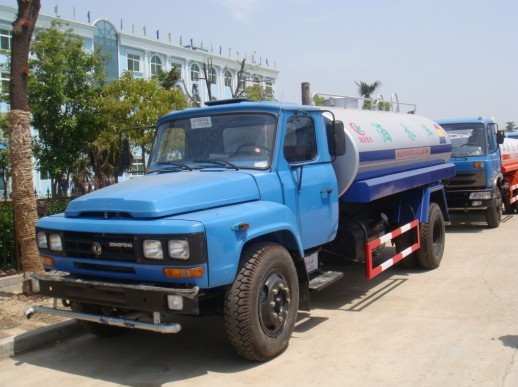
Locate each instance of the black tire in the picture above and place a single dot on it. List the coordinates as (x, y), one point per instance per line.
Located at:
(261, 306)
(402, 242)
(494, 213)
(433, 237)
(100, 330)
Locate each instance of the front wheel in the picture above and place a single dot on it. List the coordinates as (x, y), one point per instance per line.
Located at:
(261, 305)
(494, 213)
(433, 236)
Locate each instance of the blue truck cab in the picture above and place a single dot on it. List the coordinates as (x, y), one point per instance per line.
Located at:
(477, 185)
(239, 212)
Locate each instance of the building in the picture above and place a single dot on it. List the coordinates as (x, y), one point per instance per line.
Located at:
(145, 56)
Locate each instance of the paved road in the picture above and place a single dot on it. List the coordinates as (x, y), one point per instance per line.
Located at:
(455, 326)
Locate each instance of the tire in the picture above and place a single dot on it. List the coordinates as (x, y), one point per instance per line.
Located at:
(433, 236)
(402, 242)
(494, 214)
(261, 305)
(97, 329)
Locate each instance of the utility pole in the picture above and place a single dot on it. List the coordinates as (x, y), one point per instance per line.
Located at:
(306, 96)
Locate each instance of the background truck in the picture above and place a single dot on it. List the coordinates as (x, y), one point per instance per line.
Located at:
(482, 182)
(241, 206)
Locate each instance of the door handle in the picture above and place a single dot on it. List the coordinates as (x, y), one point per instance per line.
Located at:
(327, 191)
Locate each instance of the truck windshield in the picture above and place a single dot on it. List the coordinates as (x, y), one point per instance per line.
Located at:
(467, 139)
(244, 140)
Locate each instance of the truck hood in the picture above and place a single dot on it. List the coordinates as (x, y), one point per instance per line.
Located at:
(154, 196)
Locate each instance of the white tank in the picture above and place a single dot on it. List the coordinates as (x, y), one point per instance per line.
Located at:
(383, 143)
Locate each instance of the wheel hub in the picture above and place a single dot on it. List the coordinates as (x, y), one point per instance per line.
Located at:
(274, 304)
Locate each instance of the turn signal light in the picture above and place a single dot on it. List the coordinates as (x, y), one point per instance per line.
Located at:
(47, 261)
(479, 164)
(193, 272)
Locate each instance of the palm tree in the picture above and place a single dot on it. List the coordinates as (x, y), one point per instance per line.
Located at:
(365, 90)
(20, 139)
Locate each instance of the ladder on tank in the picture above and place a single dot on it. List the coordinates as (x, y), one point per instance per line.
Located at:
(376, 104)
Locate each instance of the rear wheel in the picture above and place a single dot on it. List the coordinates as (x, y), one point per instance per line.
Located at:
(261, 306)
(433, 236)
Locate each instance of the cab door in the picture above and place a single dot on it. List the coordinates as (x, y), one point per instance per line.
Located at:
(308, 179)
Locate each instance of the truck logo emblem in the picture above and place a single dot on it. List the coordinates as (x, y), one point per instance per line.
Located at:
(96, 248)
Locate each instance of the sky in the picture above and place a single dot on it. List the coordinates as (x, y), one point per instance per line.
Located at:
(452, 58)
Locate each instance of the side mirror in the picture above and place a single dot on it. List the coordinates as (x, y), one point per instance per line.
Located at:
(125, 156)
(335, 138)
(500, 137)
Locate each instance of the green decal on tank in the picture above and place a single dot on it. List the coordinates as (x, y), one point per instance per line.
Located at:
(428, 131)
(385, 135)
(409, 133)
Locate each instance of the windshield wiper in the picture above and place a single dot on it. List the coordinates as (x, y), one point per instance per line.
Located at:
(222, 163)
(172, 164)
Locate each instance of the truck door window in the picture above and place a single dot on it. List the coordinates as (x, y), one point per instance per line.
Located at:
(490, 143)
(300, 143)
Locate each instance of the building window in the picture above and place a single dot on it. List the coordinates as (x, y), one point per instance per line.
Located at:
(256, 81)
(269, 86)
(213, 77)
(6, 38)
(195, 73)
(137, 166)
(156, 65)
(134, 62)
(4, 78)
(228, 79)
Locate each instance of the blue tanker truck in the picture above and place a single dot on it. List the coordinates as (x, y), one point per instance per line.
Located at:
(241, 209)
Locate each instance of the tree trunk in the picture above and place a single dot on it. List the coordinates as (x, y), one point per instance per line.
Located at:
(24, 201)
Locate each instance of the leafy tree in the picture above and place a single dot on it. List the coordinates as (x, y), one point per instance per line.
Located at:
(258, 93)
(318, 100)
(64, 82)
(128, 103)
(24, 201)
(365, 90)
(169, 79)
(509, 126)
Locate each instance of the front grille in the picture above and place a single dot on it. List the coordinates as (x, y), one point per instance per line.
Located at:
(112, 246)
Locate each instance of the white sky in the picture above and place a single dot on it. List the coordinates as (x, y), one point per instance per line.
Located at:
(453, 58)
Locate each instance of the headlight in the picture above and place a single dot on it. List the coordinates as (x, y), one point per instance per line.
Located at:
(481, 195)
(178, 249)
(42, 240)
(55, 242)
(153, 249)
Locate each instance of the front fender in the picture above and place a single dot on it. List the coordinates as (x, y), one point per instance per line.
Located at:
(224, 243)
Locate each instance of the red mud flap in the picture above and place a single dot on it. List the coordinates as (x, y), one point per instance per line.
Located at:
(369, 247)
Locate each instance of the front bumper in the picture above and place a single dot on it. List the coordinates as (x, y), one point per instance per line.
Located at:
(461, 201)
(128, 296)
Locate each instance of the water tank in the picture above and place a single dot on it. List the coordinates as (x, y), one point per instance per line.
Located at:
(384, 143)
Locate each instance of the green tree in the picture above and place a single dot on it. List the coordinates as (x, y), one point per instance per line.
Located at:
(509, 126)
(169, 79)
(24, 201)
(258, 93)
(128, 103)
(65, 79)
(365, 90)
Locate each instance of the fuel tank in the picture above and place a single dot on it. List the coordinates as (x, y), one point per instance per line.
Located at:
(384, 143)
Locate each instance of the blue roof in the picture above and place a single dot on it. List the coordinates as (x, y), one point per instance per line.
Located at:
(270, 106)
(465, 120)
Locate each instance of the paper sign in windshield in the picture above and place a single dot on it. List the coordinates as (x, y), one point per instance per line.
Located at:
(201, 122)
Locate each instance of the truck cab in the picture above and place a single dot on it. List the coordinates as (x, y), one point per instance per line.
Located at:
(477, 185)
